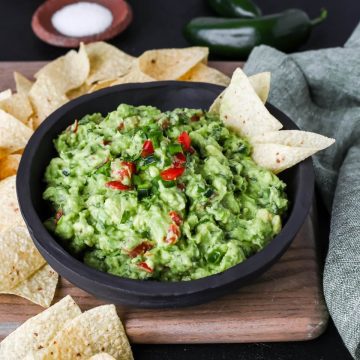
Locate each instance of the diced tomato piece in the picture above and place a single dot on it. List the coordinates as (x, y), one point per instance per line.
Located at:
(58, 215)
(148, 149)
(140, 249)
(117, 185)
(173, 234)
(191, 150)
(180, 160)
(144, 266)
(175, 217)
(172, 173)
(130, 165)
(184, 140)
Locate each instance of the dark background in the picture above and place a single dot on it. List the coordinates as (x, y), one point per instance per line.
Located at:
(158, 24)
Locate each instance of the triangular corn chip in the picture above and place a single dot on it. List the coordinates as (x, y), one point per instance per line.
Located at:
(102, 356)
(23, 84)
(96, 330)
(38, 288)
(9, 165)
(106, 62)
(5, 94)
(171, 64)
(36, 333)
(10, 212)
(261, 84)
(203, 73)
(14, 135)
(242, 110)
(280, 150)
(19, 257)
(18, 105)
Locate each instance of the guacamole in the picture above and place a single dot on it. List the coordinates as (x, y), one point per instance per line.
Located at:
(171, 196)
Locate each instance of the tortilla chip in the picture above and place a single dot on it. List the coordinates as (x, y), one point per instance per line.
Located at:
(5, 94)
(67, 72)
(106, 62)
(18, 105)
(75, 93)
(101, 85)
(10, 212)
(242, 110)
(9, 165)
(171, 64)
(46, 98)
(261, 84)
(94, 331)
(37, 332)
(19, 257)
(23, 84)
(38, 288)
(203, 73)
(280, 150)
(102, 356)
(14, 135)
(134, 76)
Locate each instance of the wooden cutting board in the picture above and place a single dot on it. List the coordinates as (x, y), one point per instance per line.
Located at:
(284, 304)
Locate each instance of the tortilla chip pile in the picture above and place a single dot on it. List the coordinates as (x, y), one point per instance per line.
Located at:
(63, 332)
(241, 107)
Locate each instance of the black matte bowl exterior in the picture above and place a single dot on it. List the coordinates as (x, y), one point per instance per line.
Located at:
(165, 95)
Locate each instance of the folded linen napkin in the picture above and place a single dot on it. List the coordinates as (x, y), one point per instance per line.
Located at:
(320, 91)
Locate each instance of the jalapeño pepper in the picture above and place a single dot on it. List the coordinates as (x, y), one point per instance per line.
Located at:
(237, 37)
(235, 8)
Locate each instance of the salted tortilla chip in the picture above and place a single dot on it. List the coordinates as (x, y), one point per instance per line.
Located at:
(36, 333)
(171, 64)
(102, 356)
(96, 330)
(5, 94)
(38, 288)
(75, 93)
(203, 73)
(261, 84)
(23, 84)
(242, 110)
(14, 135)
(10, 212)
(67, 72)
(280, 150)
(9, 165)
(19, 257)
(101, 85)
(106, 62)
(134, 76)
(18, 105)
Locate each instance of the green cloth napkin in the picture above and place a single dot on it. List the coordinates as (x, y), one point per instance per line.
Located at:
(320, 91)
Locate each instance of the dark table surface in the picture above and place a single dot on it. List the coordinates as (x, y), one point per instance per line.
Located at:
(158, 24)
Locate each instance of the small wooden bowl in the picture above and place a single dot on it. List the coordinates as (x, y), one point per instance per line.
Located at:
(43, 28)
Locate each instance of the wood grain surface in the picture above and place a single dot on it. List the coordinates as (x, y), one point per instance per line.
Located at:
(284, 304)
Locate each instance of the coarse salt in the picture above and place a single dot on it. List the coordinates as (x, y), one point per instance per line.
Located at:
(82, 19)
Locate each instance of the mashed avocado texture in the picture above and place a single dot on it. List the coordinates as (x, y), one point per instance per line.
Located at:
(174, 195)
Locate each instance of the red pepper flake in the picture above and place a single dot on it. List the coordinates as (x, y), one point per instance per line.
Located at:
(184, 140)
(165, 124)
(180, 160)
(117, 185)
(58, 215)
(148, 149)
(144, 266)
(195, 117)
(106, 142)
(173, 234)
(121, 126)
(175, 217)
(140, 249)
(191, 150)
(172, 173)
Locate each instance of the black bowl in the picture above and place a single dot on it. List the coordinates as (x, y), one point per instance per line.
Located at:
(166, 95)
